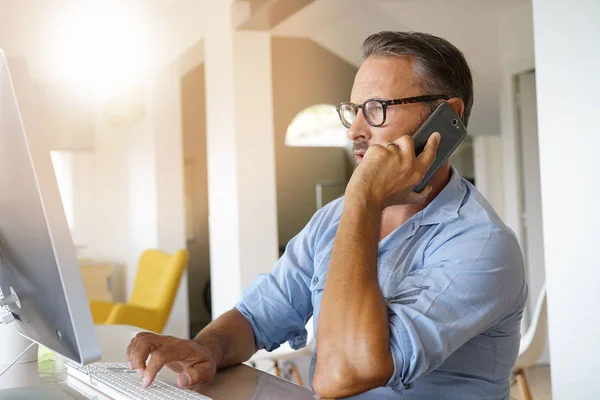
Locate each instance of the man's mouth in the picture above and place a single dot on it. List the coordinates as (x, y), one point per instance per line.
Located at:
(359, 156)
(359, 148)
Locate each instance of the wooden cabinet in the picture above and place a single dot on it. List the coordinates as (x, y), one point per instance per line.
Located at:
(98, 280)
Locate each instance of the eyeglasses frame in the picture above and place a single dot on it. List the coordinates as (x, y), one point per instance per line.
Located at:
(386, 103)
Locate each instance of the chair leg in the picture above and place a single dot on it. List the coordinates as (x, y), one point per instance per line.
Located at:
(522, 385)
(297, 376)
(277, 370)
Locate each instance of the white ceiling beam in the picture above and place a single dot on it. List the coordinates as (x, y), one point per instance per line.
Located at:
(264, 15)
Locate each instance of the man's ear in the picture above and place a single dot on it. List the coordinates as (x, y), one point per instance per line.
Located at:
(457, 105)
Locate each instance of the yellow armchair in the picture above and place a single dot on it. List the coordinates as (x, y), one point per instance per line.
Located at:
(154, 291)
(101, 310)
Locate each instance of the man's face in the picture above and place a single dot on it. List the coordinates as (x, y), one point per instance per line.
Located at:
(385, 78)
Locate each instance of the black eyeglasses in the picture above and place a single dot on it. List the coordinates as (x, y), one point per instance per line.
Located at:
(374, 110)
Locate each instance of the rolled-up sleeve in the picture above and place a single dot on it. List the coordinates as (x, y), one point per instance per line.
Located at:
(278, 304)
(467, 285)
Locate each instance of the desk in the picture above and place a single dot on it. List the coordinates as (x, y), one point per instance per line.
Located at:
(236, 383)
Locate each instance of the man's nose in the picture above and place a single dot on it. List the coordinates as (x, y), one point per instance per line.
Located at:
(360, 128)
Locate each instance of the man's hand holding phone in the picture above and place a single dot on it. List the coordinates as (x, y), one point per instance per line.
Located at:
(389, 172)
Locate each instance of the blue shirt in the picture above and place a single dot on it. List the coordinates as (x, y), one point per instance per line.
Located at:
(454, 284)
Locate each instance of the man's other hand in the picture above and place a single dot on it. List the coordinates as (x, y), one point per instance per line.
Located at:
(193, 361)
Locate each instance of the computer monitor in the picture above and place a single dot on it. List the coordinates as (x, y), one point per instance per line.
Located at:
(39, 272)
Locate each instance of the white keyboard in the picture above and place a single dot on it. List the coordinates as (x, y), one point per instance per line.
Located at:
(116, 381)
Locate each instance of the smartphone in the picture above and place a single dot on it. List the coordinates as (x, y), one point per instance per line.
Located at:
(452, 130)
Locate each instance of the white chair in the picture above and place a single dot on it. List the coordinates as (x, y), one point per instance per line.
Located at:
(532, 345)
(285, 354)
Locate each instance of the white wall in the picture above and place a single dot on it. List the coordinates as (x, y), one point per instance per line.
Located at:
(107, 230)
(567, 64)
(67, 118)
(82, 161)
(488, 169)
(515, 37)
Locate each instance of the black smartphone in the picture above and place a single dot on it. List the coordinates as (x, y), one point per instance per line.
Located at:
(452, 130)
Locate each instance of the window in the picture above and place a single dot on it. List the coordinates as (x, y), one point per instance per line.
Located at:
(63, 169)
(316, 126)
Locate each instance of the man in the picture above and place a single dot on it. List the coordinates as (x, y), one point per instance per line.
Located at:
(414, 295)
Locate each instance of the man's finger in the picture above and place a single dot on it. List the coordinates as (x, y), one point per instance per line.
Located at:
(175, 366)
(368, 152)
(129, 363)
(158, 359)
(419, 198)
(427, 157)
(406, 144)
(200, 372)
(390, 145)
(138, 353)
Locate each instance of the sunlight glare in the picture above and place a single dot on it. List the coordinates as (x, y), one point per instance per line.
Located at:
(100, 48)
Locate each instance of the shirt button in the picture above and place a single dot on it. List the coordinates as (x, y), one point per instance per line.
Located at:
(315, 280)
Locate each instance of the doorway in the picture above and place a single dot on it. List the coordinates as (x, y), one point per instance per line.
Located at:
(196, 197)
(530, 196)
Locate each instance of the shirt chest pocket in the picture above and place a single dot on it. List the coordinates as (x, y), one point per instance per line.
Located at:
(391, 274)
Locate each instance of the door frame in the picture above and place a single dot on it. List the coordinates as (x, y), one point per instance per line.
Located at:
(511, 149)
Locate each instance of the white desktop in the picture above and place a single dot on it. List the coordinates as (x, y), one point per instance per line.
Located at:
(43, 293)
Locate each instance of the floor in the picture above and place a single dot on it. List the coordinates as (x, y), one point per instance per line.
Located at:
(539, 383)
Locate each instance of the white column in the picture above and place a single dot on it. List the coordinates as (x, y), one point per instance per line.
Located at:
(241, 162)
(567, 64)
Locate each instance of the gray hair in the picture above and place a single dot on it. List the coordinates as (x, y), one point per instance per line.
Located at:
(440, 67)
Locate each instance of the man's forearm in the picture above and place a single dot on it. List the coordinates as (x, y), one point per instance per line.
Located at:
(230, 338)
(353, 333)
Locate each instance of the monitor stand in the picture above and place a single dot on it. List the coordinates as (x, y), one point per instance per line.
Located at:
(12, 343)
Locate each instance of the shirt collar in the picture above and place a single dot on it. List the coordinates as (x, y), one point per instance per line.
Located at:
(446, 204)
